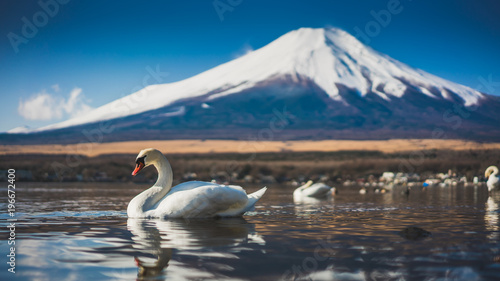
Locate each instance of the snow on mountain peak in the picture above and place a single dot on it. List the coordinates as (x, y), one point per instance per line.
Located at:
(327, 56)
(19, 130)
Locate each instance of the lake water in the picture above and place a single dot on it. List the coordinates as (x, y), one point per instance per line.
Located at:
(81, 232)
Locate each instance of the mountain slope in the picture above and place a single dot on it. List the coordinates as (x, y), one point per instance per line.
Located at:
(324, 81)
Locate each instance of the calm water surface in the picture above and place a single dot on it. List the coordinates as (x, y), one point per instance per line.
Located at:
(81, 232)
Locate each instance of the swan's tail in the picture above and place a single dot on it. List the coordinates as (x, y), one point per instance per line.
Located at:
(252, 199)
(257, 194)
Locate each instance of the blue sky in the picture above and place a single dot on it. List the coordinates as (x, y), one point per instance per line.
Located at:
(80, 55)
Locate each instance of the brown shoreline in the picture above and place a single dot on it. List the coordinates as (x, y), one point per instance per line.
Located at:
(231, 146)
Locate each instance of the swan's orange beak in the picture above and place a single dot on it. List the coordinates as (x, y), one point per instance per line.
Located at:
(138, 167)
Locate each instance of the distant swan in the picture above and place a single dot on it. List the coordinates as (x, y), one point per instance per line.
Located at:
(194, 199)
(317, 190)
(493, 180)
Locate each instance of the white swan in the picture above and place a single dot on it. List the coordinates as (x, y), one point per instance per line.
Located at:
(317, 190)
(194, 199)
(493, 180)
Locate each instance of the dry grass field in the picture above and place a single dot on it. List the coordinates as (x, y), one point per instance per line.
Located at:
(223, 159)
(245, 147)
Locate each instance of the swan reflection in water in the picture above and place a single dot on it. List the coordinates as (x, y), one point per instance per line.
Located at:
(147, 239)
(162, 238)
(312, 209)
(491, 216)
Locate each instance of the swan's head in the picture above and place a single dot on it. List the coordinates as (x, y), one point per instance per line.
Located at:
(491, 170)
(146, 157)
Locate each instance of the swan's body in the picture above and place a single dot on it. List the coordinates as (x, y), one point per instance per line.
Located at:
(193, 199)
(317, 190)
(493, 180)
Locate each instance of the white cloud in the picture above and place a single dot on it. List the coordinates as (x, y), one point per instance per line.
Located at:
(46, 106)
(42, 106)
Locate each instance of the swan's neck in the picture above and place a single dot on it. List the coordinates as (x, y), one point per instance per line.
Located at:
(495, 171)
(308, 184)
(149, 198)
(164, 175)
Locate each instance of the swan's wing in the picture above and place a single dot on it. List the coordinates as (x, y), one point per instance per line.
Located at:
(493, 182)
(201, 199)
(316, 190)
(190, 185)
(496, 180)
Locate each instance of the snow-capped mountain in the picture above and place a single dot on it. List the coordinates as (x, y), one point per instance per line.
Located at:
(323, 79)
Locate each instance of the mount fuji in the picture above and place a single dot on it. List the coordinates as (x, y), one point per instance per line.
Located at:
(310, 83)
